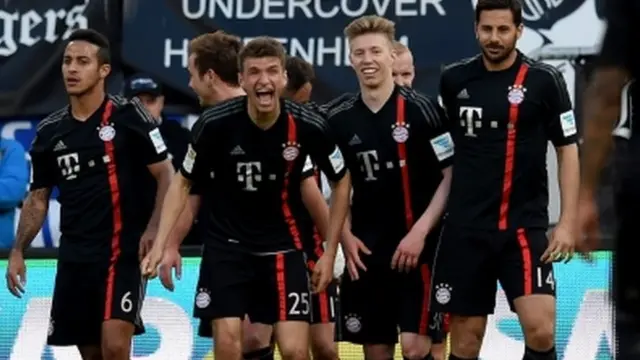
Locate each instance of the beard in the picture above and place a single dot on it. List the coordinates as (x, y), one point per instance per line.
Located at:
(500, 57)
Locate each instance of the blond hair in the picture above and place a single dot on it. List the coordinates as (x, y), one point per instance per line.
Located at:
(371, 24)
(399, 47)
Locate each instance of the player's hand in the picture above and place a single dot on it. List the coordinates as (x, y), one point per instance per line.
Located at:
(16, 273)
(170, 261)
(561, 244)
(146, 242)
(322, 274)
(149, 265)
(588, 239)
(352, 246)
(408, 252)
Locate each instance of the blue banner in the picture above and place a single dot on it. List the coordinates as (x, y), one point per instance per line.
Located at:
(584, 330)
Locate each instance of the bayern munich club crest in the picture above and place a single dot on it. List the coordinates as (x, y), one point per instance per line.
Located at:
(291, 151)
(400, 132)
(516, 94)
(107, 132)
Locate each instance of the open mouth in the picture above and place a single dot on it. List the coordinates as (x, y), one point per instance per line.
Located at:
(72, 81)
(369, 71)
(265, 97)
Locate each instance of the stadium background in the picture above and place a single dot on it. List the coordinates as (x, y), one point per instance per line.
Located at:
(151, 36)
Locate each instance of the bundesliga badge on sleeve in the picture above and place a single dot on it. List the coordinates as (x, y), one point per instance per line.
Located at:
(516, 94)
(400, 132)
(291, 151)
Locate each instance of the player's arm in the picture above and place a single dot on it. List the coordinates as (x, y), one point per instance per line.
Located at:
(440, 146)
(327, 155)
(562, 131)
(313, 199)
(603, 95)
(185, 221)
(152, 150)
(192, 169)
(35, 206)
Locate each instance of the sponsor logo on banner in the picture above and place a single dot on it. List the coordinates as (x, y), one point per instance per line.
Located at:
(584, 329)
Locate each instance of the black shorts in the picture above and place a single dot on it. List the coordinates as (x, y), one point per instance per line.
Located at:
(324, 305)
(268, 288)
(382, 301)
(470, 262)
(86, 295)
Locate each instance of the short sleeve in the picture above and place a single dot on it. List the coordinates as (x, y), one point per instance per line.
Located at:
(617, 46)
(43, 171)
(445, 99)
(323, 150)
(561, 123)
(433, 120)
(147, 138)
(194, 164)
(308, 169)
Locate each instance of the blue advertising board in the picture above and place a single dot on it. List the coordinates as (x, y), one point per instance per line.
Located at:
(584, 329)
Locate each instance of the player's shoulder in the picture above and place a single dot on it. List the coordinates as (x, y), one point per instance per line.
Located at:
(132, 108)
(222, 112)
(305, 114)
(461, 68)
(335, 102)
(342, 105)
(425, 104)
(544, 71)
(50, 123)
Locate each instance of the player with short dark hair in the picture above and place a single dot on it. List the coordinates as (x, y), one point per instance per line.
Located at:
(91, 151)
(504, 109)
(618, 64)
(399, 155)
(211, 89)
(248, 154)
(257, 337)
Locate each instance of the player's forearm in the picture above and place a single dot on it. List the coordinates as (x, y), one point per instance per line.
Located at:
(338, 213)
(436, 207)
(569, 180)
(184, 222)
(163, 180)
(602, 108)
(314, 202)
(34, 211)
(174, 203)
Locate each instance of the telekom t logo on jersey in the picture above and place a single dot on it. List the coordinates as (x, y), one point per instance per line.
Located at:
(468, 116)
(370, 164)
(69, 164)
(249, 174)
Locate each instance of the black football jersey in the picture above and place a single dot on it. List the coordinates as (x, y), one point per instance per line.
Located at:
(252, 175)
(501, 123)
(95, 165)
(395, 157)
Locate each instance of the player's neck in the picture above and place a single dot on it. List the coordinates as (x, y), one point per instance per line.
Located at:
(261, 119)
(85, 105)
(375, 98)
(503, 65)
(229, 92)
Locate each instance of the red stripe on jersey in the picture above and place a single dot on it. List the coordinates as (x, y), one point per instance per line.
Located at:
(282, 290)
(286, 209)
(527, 267)
(507, 183)
(404, 166)
(112, 173)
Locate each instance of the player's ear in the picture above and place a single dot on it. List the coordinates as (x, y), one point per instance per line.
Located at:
(104, 70)
(475, 30)
(241, 80)
(519, 30)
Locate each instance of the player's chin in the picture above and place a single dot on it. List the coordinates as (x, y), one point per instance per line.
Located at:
(371, 81)
(75, 89)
